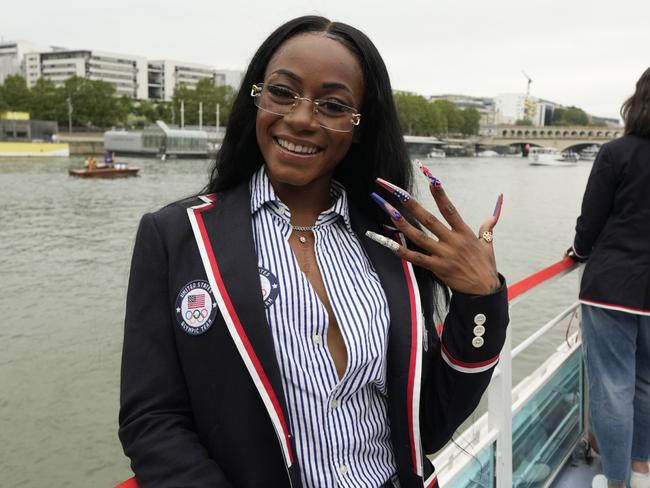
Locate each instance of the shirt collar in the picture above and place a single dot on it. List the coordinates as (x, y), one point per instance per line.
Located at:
(263, 194)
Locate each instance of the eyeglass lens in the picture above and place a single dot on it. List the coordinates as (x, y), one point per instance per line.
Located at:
(281, 100)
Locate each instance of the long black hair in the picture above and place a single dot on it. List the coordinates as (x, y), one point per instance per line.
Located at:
(379, 150)
(636, 109)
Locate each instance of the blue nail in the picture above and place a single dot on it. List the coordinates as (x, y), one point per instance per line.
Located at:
(387, 207)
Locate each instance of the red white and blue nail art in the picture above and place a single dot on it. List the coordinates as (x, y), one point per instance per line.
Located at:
(497, 208)
(432, 179)
(402, 195)
(387, 207)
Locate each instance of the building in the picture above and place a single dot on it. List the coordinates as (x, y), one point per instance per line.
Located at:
(132, 76)
(128, 74)
(512, 107)
(12, 56)
(165, 75)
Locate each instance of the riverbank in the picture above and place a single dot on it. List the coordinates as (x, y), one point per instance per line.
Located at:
(84, 143)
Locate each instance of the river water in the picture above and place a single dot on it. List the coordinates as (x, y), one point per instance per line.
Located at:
(65, 246)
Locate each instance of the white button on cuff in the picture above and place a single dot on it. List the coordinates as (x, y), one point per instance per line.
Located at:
(479, 319)
(478, 342)
(343, 469)
(479, 330)
(316, 339)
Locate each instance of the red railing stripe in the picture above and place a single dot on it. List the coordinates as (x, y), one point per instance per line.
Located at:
(539, 277)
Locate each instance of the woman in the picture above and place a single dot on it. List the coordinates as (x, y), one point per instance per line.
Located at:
(613, 232)
(268, 343)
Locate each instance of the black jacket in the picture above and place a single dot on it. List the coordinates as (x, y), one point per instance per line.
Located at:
(208, 410)
(613, 230)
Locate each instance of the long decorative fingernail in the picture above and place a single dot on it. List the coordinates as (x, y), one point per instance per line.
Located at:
(388, 208)
(497, 208)
(384, 241)
(435, 182)
(403, 195)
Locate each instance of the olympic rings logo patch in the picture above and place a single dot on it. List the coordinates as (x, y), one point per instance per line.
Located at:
(196, 308)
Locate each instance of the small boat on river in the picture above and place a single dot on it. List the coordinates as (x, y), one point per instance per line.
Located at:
(117, 171)
(548, 156)
(108, 169)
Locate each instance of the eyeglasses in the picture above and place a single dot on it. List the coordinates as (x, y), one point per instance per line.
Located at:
(280, 100)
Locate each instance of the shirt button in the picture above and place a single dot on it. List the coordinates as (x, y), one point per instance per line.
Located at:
(316, 339)
(477, 342)
(479, 330)
(343, 469)
(479, 319)
(334, 404)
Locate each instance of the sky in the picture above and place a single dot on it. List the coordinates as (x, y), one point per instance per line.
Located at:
(577, 52)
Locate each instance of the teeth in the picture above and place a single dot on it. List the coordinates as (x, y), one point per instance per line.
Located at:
(290, 146)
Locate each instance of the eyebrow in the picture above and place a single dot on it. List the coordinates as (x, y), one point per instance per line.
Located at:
(327, 84)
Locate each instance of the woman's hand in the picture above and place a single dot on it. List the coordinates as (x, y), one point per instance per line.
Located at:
(459, 258)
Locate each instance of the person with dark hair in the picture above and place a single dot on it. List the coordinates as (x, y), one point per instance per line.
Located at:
(613, 237)
(268, 342)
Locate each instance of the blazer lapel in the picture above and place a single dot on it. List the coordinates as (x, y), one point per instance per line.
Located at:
(404, 366)
(223, 232)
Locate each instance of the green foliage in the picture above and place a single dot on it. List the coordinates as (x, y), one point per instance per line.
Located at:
(419, 117)
(207, 93)
(16, 94)
(523, 122)
(93, 103)
(570, 116)
(471, 121)
(47, 102)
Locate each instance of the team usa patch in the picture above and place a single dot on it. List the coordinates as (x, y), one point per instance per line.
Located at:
(270, 287)
(196, 309)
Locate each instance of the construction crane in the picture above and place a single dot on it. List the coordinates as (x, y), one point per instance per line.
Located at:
(530, 80)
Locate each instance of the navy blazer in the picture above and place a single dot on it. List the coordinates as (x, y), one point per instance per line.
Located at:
(205, 407)
(613, 229)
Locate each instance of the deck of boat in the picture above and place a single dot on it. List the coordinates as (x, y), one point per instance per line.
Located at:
(578, 473)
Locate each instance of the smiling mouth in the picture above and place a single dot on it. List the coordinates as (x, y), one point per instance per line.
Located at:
(296, 148)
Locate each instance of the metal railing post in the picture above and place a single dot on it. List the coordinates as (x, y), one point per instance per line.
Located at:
(500, 414)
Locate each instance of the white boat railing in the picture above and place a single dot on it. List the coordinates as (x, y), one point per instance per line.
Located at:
(486, 447)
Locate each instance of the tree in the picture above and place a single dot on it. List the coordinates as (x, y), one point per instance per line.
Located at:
(452, 117)
(94, 103)
(570, 116)
(471, 121)
(417, 116)
(47, 102)
(16, 94)
(207, 93)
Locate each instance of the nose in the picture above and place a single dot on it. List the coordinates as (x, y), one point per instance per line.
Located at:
(302, 115)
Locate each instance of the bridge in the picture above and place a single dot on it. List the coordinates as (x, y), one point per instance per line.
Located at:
(562, 138)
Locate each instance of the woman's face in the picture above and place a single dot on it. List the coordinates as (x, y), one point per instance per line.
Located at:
(315, 67)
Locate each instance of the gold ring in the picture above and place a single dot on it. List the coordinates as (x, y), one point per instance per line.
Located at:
(487, 236)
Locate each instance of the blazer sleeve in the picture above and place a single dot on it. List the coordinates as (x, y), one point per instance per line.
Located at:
(596, 204)
(155, 420)
(460, 363)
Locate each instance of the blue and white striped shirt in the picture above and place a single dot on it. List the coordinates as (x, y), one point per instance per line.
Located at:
(340, 427)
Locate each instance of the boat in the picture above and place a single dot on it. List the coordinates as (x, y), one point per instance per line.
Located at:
(162, 141)
(436, 153)
(488, 153)
(570, 156)
(533, 435)
(117, 170)
(589, 153)
(549, 156)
